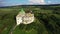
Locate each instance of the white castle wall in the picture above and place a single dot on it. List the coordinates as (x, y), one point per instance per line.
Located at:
(25, 19)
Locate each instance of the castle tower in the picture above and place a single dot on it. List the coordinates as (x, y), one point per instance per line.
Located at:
(19, 16)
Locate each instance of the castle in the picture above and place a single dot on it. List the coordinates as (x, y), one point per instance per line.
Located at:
(25, 18)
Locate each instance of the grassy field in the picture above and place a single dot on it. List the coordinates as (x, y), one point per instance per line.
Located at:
(47, 20)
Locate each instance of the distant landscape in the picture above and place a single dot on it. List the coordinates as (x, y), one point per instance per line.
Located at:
(47, 20)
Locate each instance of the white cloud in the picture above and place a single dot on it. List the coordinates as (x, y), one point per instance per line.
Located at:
(37, 1)
(50, 2)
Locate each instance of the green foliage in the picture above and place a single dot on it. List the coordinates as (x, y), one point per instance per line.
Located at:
(47, 20)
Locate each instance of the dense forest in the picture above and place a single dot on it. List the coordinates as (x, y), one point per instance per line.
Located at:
(47, 20)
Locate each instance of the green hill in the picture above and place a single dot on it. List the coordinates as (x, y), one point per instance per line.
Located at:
(47, 20)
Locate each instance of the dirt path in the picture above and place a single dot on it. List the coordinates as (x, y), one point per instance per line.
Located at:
(12, 29)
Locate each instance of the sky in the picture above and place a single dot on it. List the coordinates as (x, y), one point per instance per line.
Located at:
(27, 2)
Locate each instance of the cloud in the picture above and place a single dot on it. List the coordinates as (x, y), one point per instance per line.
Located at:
(37, 1)
(52, 2)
